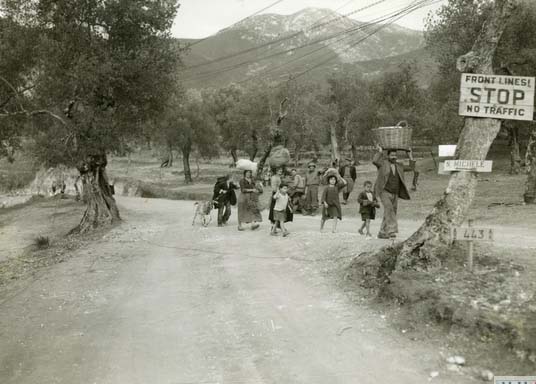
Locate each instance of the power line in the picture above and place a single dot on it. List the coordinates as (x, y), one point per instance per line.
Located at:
(370, 24)
(416, 4)
(421, 4)
(284, 38)
(343, 33)
(279, 53)
(239, 21)
(350, 30)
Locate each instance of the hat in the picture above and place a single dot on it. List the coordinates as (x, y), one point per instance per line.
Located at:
(311, 164)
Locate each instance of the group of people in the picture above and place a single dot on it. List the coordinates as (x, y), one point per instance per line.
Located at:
(300, 194)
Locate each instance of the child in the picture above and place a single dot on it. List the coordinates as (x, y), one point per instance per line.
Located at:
(367, 207)
(281, 207)
(331, 206)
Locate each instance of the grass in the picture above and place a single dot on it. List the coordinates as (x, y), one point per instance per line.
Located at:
(17, 175)
(41, 242)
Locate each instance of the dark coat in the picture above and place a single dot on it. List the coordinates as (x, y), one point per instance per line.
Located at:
(384, 169)
(353, 172)
(365, 205)
(228, 195)
(289, 210)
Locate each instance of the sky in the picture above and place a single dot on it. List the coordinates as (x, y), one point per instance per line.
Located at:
(202, 18)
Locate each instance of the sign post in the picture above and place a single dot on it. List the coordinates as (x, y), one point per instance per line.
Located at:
(497, 97)
(471, 249)
(468, 165)
(471, 234)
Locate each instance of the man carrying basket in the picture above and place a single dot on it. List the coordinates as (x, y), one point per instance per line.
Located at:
(390, 185)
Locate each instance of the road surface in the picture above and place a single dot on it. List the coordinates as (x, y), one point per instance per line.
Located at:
(159, 301)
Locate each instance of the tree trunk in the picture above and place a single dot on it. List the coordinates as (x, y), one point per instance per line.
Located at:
(101, 207)
(263, 159)
(234, 155)
(530, 161)
(170, 156)
(186, 164)
(423, 249)
(515, 157)
(355, 153)
(253, 153)
(335, 155)
(297, 153)
(254, 146)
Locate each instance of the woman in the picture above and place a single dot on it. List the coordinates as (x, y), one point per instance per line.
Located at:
(248, 202)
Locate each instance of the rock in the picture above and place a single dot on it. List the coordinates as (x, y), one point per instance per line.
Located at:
(434, 374)
(486, 375)
(453, 368)
(457, 360)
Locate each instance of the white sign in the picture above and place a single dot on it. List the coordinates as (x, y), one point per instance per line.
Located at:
(514, 380)
(441, 169)
(447, 150)
(468, 165)
(471, 234)
(498, 97)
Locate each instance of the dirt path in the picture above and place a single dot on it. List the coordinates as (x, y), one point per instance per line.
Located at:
(160, 301)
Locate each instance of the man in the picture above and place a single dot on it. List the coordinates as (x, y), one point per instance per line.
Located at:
(348, 173)
(224, 196)
(390, 185)
(296, 191)
(312, 182)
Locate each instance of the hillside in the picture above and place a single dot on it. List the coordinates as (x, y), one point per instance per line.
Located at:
(314, 40)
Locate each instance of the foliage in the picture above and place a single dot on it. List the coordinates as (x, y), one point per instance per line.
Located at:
(187, 125)
(104, 66)
(451, 33)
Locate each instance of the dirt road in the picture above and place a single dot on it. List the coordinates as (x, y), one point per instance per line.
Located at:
(159, 301)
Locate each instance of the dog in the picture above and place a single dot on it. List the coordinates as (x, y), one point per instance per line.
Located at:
(203, 209)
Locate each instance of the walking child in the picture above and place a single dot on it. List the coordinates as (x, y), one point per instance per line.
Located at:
(367, 207)
(281, 209)
(331, 206)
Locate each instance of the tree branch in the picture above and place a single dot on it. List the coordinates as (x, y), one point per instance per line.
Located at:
(480, 58)
(33, 113)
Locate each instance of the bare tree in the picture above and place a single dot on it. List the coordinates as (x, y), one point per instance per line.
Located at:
(276, 134)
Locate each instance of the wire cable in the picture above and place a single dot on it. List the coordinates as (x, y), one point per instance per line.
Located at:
(421, 4)
(415, 5)
(281, 39)
(345, 34)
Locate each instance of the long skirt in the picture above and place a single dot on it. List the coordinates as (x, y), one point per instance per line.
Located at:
(331, 212)
(248, 208)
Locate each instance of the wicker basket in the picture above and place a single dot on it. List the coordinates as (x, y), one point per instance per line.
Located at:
(397, 137)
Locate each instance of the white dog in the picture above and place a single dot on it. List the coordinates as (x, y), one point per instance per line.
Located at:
(203, 209)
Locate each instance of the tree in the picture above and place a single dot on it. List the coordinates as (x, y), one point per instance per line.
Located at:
(300, 134)
(422, 249)
(187, 125)
(220, 104)
(106, 67)
(16, 60)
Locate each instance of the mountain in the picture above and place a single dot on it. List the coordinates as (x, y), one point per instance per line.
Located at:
(314, 40)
